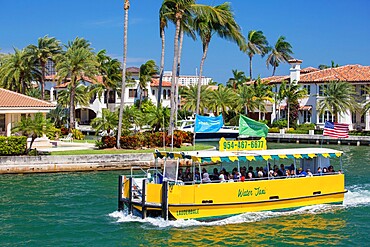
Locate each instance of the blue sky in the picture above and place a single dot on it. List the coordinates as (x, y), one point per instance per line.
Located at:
(319, 31)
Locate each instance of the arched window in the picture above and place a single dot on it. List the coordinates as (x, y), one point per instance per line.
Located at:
(164, 94)
(169, 93)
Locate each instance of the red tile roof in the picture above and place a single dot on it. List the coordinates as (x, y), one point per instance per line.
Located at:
(155, 83)
(349, 73)
(10, 99)
(98, 79)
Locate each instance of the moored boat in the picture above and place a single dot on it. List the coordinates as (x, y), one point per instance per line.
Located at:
(164, 191)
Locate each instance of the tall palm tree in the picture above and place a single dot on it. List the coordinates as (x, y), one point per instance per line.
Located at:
(280, 53)
(47, 48)
(339, 97)
(82, 96)
(177, 11)
(190, 96)
(126, 7)
(158, 117)
(292, 92)
(18, 71)
(162, 26)
(238, 79)
(74, 65)
(147, 70)
(58, 116)
(221, 100)
(256, 44)
(219, 21)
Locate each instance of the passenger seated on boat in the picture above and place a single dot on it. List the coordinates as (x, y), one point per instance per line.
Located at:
(226, 174)
(260, 173)
(292, 170)
(324, 170)
(187, 175)
(196, 174)
(206, 178)
(231, 178)
(282, 170)
(331, 169)
(301, 173)
(287, 173)
(180, 175)
(250, 170)
(340, 171)
(309, 173)
(319, 171)
(222, 177)
(242, 178)
(250, 176)
(215, 174)
(271, 174)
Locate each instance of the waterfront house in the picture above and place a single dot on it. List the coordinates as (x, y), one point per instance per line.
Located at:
(314, 81)
(14, 106)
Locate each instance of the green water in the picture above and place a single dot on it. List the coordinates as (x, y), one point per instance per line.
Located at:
(79, 209)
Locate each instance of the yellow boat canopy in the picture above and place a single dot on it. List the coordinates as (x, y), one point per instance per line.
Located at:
(272, 154)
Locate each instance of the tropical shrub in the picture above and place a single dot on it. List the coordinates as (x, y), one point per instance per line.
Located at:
(108, 141)
(306, 126)
(53, 133)
(274, 130)
(13, 145)
(77, 134)
(281, 123)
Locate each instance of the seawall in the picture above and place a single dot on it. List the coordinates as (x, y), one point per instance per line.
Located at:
(73, 163)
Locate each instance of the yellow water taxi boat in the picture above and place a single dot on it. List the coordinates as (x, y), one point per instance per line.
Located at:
(162, 192)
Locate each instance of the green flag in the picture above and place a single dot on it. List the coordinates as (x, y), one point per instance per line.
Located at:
(250, 127)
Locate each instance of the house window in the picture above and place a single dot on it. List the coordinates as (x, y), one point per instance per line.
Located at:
(326, 116)
(132, 93)
(363, 118)
(2, 122)
(321, 90)
(362, 90)
(164, 94)
(153, 92)
(145, 93)
(308, 89)
(306, 117)
(354, 120)
(169, 93)
(112, 97)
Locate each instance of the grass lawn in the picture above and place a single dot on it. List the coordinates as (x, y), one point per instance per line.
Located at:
(125, 151)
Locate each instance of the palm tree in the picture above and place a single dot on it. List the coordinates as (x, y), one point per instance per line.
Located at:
(107, 122)
(238, 79)
(47, 48)
(75, 64)
(147, 71)
(82, 96)
(366, 106)
(158, 117)
(221, 100)
(219, 21)
(190, 96)
(162, 26)
(126, 7)
(18, 71)
(256, 44)
(246, 99)
(110, 71)
(292, 92)
(339, 97)
(58, 116)
(280, 53)
(33, 127)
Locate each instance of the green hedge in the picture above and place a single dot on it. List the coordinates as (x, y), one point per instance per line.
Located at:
(13, 145)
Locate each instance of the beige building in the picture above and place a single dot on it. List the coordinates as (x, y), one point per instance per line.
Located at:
(14, 106)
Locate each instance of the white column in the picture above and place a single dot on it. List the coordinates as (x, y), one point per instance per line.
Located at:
(8, 124)
(52, 94)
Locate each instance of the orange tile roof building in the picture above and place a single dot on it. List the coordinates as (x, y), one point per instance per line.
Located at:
(314, 81)
(15, 105)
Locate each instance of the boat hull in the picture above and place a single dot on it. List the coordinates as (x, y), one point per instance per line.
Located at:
(218, 200)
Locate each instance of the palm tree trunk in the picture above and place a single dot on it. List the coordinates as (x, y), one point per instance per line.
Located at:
(72, 106)
(161, 70)
(43, 72)
(288, 113)
(250, 67)
(107, 98)
(123, 88)
(205, 50)
(178, 73)
(173, 81)
(273, 71)
(259, 112)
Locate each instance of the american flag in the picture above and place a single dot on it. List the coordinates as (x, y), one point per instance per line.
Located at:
(337, 130)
